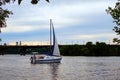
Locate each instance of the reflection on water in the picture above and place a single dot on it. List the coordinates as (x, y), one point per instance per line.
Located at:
(15, 67)
(54, 70)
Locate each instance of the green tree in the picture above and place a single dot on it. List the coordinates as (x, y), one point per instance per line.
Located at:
(89, 43)
(19, 1)
(4, 13)
(85, 51)
(115, 13)
(101, 49)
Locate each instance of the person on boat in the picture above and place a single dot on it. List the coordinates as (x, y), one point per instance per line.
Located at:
(33, 58)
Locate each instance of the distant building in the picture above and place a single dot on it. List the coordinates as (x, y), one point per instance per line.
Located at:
(16, 43)
(20, 43)
(5, 44)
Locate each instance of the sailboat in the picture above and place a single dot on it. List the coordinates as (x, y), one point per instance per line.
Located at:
(54, 55)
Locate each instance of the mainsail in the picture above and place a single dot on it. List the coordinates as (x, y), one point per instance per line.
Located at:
(55, 48)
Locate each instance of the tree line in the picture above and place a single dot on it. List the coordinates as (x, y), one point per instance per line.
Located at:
(99, 49)
(90, 49)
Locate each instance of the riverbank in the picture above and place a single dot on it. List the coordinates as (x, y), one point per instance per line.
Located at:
(66, 50)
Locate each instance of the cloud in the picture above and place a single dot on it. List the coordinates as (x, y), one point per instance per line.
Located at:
(73, 20)
(63, 13)
(94, 36)
(22, 29)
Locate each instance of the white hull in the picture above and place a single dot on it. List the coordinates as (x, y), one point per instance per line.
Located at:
(47, 59)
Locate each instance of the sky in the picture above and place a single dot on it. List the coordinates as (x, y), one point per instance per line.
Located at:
(75, 21)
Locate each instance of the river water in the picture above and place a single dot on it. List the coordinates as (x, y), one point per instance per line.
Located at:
(16, 67)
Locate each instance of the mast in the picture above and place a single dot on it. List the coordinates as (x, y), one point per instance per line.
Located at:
(50, 35)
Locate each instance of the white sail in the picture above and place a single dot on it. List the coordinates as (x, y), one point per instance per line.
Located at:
(56, 50)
